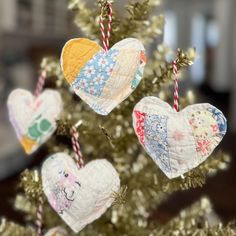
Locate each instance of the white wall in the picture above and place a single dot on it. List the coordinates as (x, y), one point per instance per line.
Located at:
(9, 17)
(8, 12)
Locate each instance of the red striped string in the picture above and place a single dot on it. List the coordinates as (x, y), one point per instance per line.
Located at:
(109, 23)
(106, 36)
(176, 87)
(40, 83)
(76, 147)
(39, 219)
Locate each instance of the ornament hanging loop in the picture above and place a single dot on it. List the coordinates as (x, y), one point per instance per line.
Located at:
(76, 147)
(176, 86)
(107, 6)
(39, 219)
(40, 83)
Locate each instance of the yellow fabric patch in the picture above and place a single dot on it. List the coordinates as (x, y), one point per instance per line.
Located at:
(76, 53)
(27, 144)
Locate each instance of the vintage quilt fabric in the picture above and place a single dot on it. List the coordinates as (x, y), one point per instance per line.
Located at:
(34, 118)
(103, 80)
(178, 141)
(79, 196)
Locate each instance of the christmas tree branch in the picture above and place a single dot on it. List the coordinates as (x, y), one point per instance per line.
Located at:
(199, 219)
(11, 228)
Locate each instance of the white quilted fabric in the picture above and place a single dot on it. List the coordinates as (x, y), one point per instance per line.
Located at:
(34, 119)
(79, 196)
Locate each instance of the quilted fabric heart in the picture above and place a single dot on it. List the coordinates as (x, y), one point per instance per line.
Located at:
(79, 196)
(57, 231)
(178, 141)
(103, 80)
(34, 119)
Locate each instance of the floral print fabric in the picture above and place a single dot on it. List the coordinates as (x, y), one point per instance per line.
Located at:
(156, 140)
(103, 80)
(92, 78)
(178, 141)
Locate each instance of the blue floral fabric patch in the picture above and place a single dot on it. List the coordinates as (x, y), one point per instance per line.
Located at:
(99, 109)
(155, 128)
(220, 119)
(92, 78)
(138, 77)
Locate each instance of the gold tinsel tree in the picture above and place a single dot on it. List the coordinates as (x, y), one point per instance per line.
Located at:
(144, 186)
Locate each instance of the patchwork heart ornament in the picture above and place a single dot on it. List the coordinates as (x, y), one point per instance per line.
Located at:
(103, 80)
(34, 119)
(178, 141)
(57, 231)
(79, 196)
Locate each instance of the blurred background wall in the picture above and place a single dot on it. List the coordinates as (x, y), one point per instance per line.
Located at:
(210, 27)
(31, 29)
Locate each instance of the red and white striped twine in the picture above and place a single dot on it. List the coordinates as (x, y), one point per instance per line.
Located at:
(176, 89)
(39, 219)
(106, 36)
(76, 147)
(40, 83)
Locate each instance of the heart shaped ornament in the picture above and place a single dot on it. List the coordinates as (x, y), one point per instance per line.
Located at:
(178, 141)
(57, 231)
(103, 80)
(34, 119)
(79, 196)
